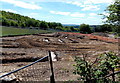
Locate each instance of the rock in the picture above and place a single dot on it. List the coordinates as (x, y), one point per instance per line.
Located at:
(46, 40)
(61, 41)
(53, 56)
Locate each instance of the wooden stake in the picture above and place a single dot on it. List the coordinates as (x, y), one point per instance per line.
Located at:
(52, 80)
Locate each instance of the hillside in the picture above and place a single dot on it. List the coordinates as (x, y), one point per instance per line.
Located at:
(20, 21)
(10, 19)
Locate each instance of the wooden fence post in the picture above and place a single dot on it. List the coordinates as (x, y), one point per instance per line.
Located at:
(52, 80)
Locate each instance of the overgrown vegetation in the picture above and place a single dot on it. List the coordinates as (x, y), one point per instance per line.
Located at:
(99, 71)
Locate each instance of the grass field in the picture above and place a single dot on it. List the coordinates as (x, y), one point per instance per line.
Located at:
(7, 31)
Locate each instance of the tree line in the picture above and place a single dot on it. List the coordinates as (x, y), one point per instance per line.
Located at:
(112, 23)
(85, 28)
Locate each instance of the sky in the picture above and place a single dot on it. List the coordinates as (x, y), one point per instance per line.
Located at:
(63, 11)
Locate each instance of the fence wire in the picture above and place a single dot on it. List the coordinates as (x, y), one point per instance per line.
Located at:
(38, 72)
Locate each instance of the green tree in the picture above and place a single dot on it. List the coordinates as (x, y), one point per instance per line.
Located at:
(4, 21)
(22, 25)
(72, 28)
(114, 15)
(13, 23)
(8, 23)
(29, 22)
(84, 28)
(105, 27)
(44, 25)
(59, 28)
(37, 23)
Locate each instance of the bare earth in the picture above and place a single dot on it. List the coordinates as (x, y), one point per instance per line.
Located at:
(19, 51)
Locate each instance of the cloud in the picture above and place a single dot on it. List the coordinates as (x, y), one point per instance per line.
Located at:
(10, 10)
(60, 13)
(75, 3)
(92, 14)
(86, 1)
(33, 13)
(90, 7)
(97, 2)
(76, 14)
(85, 7)
(22, 4)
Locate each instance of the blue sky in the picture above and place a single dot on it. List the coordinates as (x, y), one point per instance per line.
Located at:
(63, 11)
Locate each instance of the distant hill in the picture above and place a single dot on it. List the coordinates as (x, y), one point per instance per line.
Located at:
(74, 25)
(77, 26)
(70, 25)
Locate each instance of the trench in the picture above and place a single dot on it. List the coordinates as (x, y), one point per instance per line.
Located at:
(28, 59)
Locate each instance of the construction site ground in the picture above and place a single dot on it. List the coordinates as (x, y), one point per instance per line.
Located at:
(18, 51)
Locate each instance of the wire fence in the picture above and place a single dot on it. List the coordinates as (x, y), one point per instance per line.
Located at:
(35, 71)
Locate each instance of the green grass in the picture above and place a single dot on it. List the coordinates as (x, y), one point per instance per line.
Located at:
(7, 31)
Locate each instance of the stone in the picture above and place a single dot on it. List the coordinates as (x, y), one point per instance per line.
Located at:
(53, 56)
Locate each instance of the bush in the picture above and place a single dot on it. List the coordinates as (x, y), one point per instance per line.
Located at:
(99, 70)
(84, 28)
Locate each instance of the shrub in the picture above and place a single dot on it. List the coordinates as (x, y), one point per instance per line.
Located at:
(98, 71)
(84, 28)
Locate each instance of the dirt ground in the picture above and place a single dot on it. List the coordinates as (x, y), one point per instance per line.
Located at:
(19, 51)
